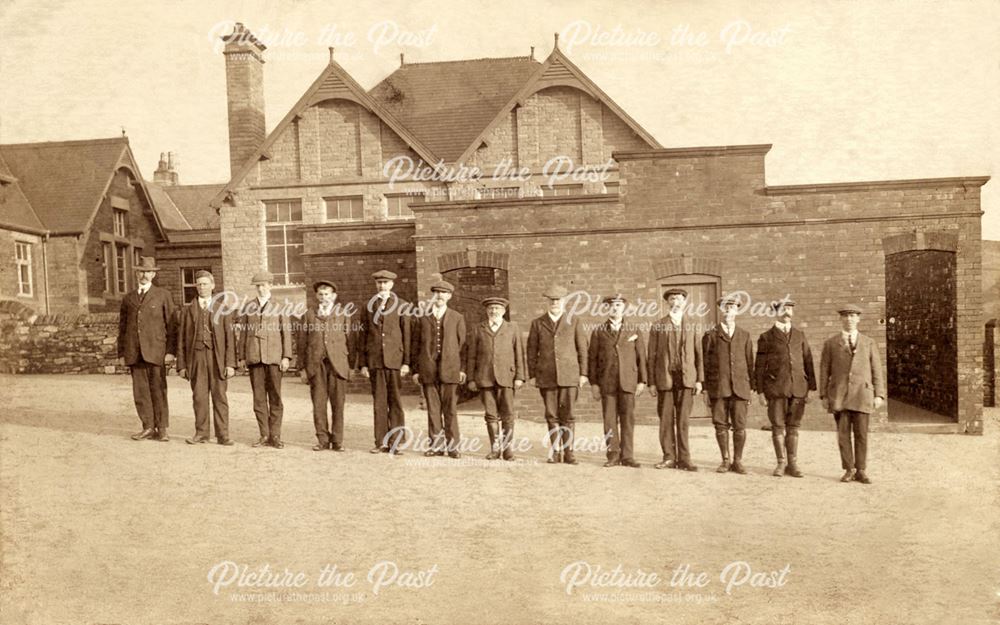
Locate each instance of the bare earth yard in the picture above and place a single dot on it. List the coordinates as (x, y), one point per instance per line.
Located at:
(97, 528)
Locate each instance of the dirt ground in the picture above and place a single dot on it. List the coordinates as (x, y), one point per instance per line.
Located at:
(98, 528)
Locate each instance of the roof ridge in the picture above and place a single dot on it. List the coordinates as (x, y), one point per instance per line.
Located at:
(484, 58)
(167, 187)
(65, 143)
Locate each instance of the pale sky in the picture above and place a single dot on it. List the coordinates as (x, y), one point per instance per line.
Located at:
(845, 91)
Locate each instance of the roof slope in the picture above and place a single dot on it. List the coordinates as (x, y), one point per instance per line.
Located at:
(192, 200)
(15, 210)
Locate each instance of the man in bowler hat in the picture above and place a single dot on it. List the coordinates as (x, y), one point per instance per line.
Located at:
(851, 386)
(145, 345)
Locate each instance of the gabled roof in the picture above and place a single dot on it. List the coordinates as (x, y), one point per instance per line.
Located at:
(15, 210)
(448, 104)
(333, 82)
(193, 201)
(557, 70)
(170, 216)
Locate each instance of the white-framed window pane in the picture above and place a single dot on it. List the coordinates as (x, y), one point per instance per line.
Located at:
(109, 267)
(350, 208)
(189, 288)
(22, 256)
(284, 241)
(120, 223)
(120, 268)
(399, 206)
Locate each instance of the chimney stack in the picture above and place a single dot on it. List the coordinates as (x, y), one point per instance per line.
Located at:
(165, 173)
(245, 94)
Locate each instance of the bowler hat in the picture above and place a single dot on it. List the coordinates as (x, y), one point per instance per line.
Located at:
(384, 274)
(262, 277)
(147, 263)
(849, 308)
(489, 301)
(320, 283)
(675, 291)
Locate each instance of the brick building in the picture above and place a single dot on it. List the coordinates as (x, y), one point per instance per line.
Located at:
(313, 198)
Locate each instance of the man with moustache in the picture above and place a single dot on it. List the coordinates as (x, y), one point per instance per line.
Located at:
(384, 356)
(439, 358)
(729, 381)
(617, 373)
(785, 375)
(497, 368)
(851, 386)
(325, 364)
(557, 366)
(145, 335)
(265, 349)
(675, 377)
(206, 355)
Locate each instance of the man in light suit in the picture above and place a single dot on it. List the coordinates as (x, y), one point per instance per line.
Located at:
(729, 381)
(617, 373)
(496, 367)
(851, 386)
(206, 355)
(383, 357)
(265, 349)
(438, 363)
(675, 376)
(557, 366)
(785, 375)
(145, 343)
(325, 363)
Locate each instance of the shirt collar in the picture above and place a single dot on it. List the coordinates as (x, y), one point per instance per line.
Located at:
(676, 317)
(439, 311)
(784, 327)
(849, 335)
(144, 287)
(615, 326)
(729, 330)
(494, 325)
(554, 319)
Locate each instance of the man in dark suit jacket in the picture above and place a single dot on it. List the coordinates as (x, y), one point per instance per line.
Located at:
(496, 368)
(785, 375)
(264, 347)
(675, 377)
(851, 386)
(206, 355)
(439, 359)
(557, 365)
(617, 372)
(384, 356)
(729, 380)
(325, 363)
(145, 344)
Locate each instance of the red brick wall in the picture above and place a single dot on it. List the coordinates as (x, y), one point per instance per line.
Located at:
(173, 258)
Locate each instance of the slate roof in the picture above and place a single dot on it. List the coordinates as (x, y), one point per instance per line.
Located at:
(15, 210)
(186, 207)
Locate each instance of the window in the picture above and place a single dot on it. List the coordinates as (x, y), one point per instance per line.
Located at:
(136, 253)
(120, 221)
(345, 208)
(497, 193)
(22, 257)
(562, 189)
(109, 267)
(284, 241)
(189, 288)
(399, 206)
(120, 268)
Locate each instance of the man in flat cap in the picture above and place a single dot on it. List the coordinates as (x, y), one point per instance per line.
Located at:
(325, 363)
(206, 355)
(265, 349)
(728, 353)
(851, 386)
(785, 375)
(497, 369)
(557, 365)
(675, 376)
(146, 339)
(384, 356)
(617, 372)
(438, 366)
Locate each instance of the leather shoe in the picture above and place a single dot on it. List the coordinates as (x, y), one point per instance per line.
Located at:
(162, 436)
(430, 453)
(847, 476)
(793, 470)
(277, 444)
(377, 450)
(262, 442)
(570, 459)
(194, 440)
(631, 464)
(724, 467)
(687, 466)
(143, 435)
(860, 476)
(226, 442)
(612, 463)
(336, 447)
(454, 454)
(554, 458)
(321, 447)
(666, 464)
(737, 467)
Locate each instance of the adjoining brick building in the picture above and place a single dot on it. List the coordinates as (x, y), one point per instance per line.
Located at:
(313, 199)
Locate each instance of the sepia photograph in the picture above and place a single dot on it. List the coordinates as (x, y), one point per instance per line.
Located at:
(669, 311)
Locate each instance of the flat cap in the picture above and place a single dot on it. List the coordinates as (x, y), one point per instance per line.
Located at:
(262, 277)
(201, 273)
(783, 303)
(556, 291)
(489, 301)
(611, 299)
(384, 274)
(443, 286)
(732, 298)
(849, 308)
(675, 291)
(320, 283)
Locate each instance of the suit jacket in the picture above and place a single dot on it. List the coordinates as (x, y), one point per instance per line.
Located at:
(616, 361)
(850, 381)
(329, 337)
(728, 375)
(495, 359)
(557, 353)
(265, 337)
(146, 328)
(452, 348)
(384, 341)
(223, 338)
(692, 368)
(784, 364)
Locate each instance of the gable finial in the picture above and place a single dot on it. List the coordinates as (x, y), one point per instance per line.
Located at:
(532, 53)
(401, 61)
(556, 46)
(331, 53)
